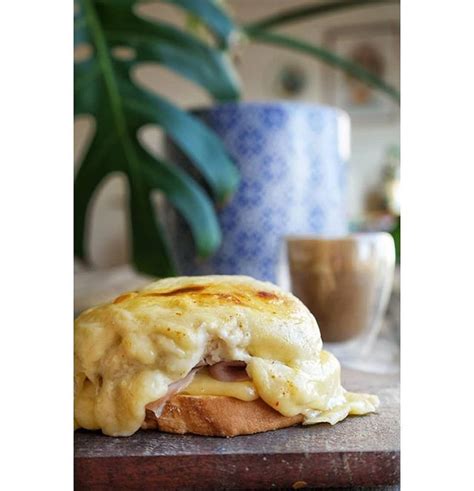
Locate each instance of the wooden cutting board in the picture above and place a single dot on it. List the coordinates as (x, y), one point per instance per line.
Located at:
(359, 451)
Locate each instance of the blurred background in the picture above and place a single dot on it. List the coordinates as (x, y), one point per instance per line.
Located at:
(315, 145)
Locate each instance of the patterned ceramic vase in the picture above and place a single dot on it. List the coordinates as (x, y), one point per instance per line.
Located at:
(292, 161)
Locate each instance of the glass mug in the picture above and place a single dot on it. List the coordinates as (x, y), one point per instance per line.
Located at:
(346, 283)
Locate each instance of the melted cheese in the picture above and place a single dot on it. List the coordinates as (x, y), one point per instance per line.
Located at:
(129, 351)
(204, 385)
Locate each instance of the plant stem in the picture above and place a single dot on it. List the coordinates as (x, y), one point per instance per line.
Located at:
(324, 55)
(304, 12)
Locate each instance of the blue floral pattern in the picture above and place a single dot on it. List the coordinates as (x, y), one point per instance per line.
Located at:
(293, 181)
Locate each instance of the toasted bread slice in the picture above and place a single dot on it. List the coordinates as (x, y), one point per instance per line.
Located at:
(217, 416)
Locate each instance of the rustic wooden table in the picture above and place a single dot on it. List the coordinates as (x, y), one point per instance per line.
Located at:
(360, 451)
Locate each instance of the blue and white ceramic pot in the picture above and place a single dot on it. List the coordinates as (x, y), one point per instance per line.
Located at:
(292, 161)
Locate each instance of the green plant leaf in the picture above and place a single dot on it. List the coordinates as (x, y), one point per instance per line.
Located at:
(87, 89)
(187, 197)
(195, 140)
(207, 11)
(105, 89)
(324, 55)
(304, 12)
(150, 251)
(211, 15)
(179, 51)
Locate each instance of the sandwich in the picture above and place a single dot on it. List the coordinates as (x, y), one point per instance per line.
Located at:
(210, 355)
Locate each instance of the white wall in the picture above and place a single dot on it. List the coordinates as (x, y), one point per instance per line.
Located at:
(258, 67)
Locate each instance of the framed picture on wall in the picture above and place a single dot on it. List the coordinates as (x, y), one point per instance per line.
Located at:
(376, 47)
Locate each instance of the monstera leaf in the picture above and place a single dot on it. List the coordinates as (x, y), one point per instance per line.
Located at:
(105, 89)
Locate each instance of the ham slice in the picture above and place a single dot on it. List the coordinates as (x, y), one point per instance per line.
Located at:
(224, 371)
(229, 371)
(155, 408)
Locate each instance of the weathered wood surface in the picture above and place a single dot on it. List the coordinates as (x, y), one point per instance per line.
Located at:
(360, 451)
